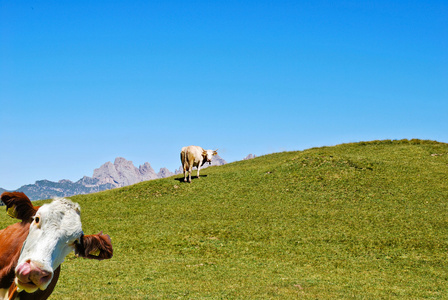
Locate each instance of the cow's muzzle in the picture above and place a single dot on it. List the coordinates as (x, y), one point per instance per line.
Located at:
(30, 277)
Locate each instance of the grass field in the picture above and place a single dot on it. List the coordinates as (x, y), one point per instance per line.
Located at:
(355, 221)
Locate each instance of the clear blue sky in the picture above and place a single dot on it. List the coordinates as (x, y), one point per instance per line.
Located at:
(82, 82)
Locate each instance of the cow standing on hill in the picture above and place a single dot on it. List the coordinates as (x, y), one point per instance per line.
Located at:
(195, 156)
(32, 251)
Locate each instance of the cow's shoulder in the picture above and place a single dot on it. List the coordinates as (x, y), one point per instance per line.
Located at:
(11, 241)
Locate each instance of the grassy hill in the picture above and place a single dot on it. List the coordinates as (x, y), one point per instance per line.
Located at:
(364, 220)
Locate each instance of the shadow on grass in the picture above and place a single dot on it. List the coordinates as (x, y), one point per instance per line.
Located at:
(181, 179)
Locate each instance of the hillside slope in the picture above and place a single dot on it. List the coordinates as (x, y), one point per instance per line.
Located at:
(350, 221)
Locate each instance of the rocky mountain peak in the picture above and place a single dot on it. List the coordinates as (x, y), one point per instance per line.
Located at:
(164, 172)
(250, 156)
(147, 172)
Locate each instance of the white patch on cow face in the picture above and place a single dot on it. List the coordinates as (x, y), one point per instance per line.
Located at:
(209, 155)
(51, 237)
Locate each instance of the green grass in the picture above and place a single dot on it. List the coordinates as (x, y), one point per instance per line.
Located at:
(355, 221)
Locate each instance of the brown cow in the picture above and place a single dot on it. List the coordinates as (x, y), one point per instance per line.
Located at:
(32, 251)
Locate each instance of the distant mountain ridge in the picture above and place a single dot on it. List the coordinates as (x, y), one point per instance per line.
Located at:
(122, 173)
(108, 176)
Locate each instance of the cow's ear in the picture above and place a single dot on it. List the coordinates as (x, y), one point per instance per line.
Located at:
(18, 206)
(204, 152)
(94, 246)
(215, 152)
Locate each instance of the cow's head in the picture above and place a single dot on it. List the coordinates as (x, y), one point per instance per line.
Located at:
(54, 232)
(208, 155)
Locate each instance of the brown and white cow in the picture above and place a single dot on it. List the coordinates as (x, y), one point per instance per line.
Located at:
(32, 251)
(195, 156)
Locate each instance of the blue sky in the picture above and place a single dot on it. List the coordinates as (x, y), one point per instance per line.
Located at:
(82, 82)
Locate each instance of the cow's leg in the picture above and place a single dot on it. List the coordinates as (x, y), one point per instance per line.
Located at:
(190, 169)
(185, 172)
(199, 168)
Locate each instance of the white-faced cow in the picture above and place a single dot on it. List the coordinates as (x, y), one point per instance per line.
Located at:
(32, 251)
(195, 156)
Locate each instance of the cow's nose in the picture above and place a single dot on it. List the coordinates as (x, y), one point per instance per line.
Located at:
(23, 272)
(28, 272)
(40, 277)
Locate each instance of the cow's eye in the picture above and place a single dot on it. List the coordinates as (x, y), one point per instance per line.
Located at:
(74, 243)
(36, 220)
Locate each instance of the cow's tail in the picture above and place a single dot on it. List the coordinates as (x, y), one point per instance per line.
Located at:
(182, 158)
